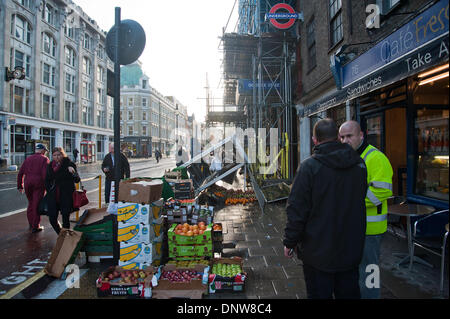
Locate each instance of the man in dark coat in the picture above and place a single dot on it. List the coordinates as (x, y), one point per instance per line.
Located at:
(326, 216)
(34, 169)
(108, 169)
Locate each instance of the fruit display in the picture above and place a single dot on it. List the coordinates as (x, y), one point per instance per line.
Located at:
(234, 197)
(190, 230)
(226, 270)
(182, 276)
(131, 277)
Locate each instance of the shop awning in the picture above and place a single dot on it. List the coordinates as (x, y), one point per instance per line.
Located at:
(432, 54)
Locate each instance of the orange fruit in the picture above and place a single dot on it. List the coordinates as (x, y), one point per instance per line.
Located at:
(189, 233)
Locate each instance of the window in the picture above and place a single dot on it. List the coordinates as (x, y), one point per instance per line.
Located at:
(70, 56)
(70, 112)
(387, 5)
(101, 52)
(130, 115)
(49, 14)
(69, 31)
(48, 74)
(25, 3)
(100, 74)
(49, 44)
(48, 135)
(432, 160)
(101, 118)
(130, 101)
(130, 131)
(87, 115)
(144, 116)
(19, 134)
(311, 43)
(144, 130)
(87, 66)
(336, 29)
(87, 43)
(21, 101)
(86, 90)
(70, 83)
(144, 102)
(110, 120)
(23, 60)
(69, 141)
(20, 29)
(144, 84)
(48, 107)
(100, 96)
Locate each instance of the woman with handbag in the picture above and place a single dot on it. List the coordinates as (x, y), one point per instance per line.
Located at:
(60, 185)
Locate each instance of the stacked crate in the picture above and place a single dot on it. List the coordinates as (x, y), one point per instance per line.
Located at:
(139, 234)
(97, 227)
(182, 247)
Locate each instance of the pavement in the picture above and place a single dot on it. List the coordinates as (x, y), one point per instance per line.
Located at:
(256, 237)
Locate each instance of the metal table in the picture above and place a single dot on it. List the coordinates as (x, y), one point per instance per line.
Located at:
(409, 210)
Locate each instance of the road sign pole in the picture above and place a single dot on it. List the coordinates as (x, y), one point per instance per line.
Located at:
(117, 155)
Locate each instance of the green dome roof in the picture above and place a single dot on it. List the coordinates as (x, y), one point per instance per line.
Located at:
(130, 75)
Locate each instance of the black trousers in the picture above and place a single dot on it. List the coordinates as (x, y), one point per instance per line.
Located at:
(107, 190)
(324, 285)
(53, 219)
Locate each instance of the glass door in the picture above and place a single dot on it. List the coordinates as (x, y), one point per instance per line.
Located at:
(373, 128)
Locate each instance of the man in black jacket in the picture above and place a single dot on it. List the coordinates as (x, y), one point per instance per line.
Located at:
(326, 216)
(108, 169)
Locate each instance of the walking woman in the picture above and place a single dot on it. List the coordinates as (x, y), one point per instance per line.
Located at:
(60, 184)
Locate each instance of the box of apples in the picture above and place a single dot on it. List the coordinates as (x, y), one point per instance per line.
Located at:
(116, 281)
(226, 275)
(182, 282)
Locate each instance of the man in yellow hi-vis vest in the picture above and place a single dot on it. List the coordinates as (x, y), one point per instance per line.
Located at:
(379, 179)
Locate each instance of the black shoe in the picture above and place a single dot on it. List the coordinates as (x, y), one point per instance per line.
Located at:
(36, 230)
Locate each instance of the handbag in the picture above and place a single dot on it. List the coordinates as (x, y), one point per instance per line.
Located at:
(79, 198)
(43, 205)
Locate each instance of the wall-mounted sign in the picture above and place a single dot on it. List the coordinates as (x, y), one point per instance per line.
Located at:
(417, 33)
(283, 11)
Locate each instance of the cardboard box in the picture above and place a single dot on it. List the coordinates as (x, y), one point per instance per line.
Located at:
(94, 216)
(192, 290)
(134, 233)
(66, 249)
(142, 288)
(217, 283)
(139, 253)
(129, 265)
(172, 175)
(133, 213)
(175, 239)
(140, 190)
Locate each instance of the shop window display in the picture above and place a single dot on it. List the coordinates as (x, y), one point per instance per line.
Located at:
(432, 164)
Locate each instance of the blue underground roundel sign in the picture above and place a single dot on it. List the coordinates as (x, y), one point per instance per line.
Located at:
(290, 15)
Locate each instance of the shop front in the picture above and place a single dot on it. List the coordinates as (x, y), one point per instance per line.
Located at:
(399, 95)
(137, 146)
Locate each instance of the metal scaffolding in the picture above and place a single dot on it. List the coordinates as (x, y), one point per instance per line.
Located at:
(257, 64)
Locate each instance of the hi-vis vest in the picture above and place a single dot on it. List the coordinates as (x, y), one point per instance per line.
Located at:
(379, 180)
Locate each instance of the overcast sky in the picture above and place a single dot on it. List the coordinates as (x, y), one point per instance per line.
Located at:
(182, 43)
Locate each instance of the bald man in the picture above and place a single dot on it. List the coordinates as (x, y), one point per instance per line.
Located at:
(379, 179)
